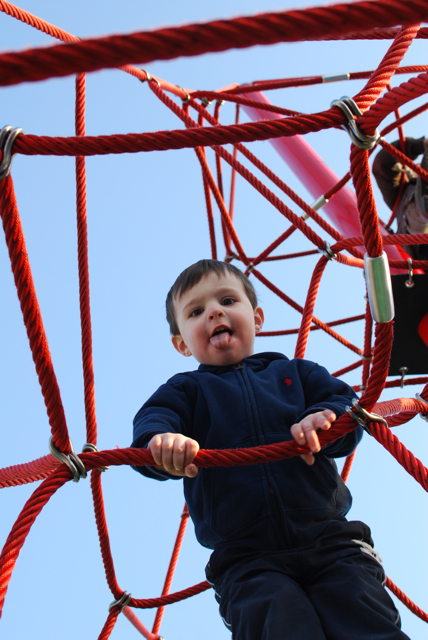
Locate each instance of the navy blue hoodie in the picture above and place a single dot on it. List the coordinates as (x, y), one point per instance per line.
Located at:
(281, 504)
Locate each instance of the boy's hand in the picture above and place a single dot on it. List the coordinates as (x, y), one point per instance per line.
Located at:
(305, 431)
(174, 453)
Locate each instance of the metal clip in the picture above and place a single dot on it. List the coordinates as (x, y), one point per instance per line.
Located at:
(8, 136)
(328, 253)
(185, 100)
(148, 78)
(410, 282)
(73, 462)
(88, 447)
(122, 602)
(336, 78)
(206, 102)
(250, 267)
(231, 257)
(418, 397)
(379, 287)
(319, 202)
(366, 416)
(403, 371)
(351, 109)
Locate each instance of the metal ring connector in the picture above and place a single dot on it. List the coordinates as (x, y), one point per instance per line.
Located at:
(231, 257)
(185, 100)
(403, 371)
(410, 282)
(418, 397)
(328, 253)
(88, 447)
(73, 462)
(365, 416)
(350, 109)
(122, 602)
(147, 78)
(206, 102)
(8, 136)
(250, 267)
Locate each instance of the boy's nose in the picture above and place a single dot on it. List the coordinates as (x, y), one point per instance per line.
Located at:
(216, 312)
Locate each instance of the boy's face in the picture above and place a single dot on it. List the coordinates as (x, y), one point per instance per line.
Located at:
(216, 320)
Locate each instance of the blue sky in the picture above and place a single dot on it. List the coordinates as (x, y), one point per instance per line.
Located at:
(147, 221)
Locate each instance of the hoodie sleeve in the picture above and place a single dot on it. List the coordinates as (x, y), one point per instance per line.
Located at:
(323, 391)
(168, 410)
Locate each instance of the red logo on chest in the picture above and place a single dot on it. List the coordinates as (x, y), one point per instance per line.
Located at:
(287, 381)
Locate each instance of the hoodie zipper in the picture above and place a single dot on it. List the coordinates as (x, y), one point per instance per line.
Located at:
(240, 367)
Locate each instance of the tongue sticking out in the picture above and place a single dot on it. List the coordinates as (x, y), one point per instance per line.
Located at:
(221, 340)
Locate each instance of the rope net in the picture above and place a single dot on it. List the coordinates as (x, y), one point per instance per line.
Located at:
(202, 128)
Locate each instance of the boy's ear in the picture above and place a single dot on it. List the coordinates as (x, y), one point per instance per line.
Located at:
(259, 318)
(180, 346)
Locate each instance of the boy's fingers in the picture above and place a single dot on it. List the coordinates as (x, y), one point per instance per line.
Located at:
(308, 458)
(154, 447)
(329, 415)
(297, 433)
(191, 471)
(191, 449)
(178, 454)
(167, 453)
(312, 440)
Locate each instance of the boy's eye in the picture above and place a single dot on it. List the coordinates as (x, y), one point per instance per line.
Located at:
(195, 312)
(228, 301)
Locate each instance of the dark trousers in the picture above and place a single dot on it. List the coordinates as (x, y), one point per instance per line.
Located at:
(331, 590)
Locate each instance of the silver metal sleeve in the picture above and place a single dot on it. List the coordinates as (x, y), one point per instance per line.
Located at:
(336, 78)
(379, 288)
(319, 202)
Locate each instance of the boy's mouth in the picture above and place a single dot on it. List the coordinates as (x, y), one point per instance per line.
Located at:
(221, 337)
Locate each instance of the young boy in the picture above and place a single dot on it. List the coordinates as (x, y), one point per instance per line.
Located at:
(286, 562)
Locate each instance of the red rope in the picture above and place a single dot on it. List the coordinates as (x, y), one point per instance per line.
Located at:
(406, 601)
(327, 22)
(31, 313)
(196, 39)
(82, 250)
(171, 567)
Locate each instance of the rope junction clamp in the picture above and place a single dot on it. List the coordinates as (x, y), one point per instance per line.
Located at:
(8, 136)
(72, 461)
(336, 78)
(231, 257)
(365, 416)
(379, 287)
(122, 602)
(206, 102)
(327, 252)
(410, 282)
(250, 267)
(88, 447)
(351, 109)
(418, 397)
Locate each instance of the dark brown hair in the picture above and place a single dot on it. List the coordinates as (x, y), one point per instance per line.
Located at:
(194, 274)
